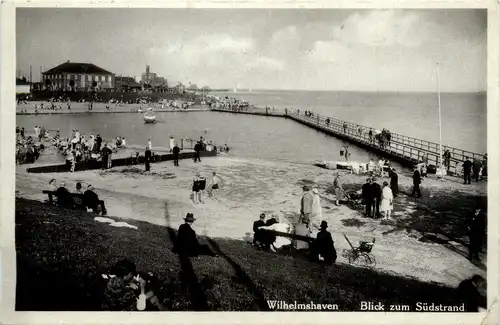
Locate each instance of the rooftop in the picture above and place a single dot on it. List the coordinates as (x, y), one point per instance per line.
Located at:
(74, 67)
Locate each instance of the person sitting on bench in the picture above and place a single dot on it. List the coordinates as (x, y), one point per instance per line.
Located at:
(323, 246)
(258, 234)
(187, 244)
(64, 197)
(91, 200)
(278, 241)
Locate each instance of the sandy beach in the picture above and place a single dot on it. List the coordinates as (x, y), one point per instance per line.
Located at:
(80, 108)
(252, 186)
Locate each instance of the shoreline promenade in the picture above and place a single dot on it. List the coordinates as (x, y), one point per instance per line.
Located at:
(406, 150)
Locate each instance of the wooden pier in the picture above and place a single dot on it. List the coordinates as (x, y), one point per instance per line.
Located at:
(406, 150)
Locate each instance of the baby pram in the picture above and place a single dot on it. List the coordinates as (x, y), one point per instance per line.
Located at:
(361, 254)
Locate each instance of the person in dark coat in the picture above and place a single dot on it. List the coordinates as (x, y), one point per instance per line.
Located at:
(376, 197)
(147, 159)
(416, 183)
(175, 152)
(197, 148)
(447, 159)
(323, 246)
(366, 193)
(64, 198)
(394, 182)
(467, 170)
(477, 228)
(258, 234)
(98, 141)
(91, 201)
(268, 238)
(187, 244)
(105, 156)
(469, 293)
(476, 168)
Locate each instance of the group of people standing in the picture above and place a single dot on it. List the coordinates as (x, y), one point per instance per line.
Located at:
(379, 200)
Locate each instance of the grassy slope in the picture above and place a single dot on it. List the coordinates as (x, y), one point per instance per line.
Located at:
(62, 253)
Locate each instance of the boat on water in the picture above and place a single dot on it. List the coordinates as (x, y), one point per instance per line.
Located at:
(150, 117)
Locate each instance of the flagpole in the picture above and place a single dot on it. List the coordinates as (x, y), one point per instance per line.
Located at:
(440, 132)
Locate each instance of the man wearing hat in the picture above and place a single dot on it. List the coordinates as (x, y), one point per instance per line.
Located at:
(366, 193)
(306, 202)
(323, 246)
(187, 244)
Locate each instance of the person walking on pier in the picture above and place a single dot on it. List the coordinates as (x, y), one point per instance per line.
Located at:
(447, 157)
(327, 122)
(476, 168)
(345, 127)
(416, 183)
(370, 135)
(467, 170)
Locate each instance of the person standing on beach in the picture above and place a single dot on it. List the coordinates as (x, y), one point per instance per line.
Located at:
(394, 182)
(376, 192)
(306, 202)
(172, 143)
(477, 228)
(197, 150)
(339, 191)
(105, 156)
(215, 186)
(196, 188)
(316, 212)
(175, 153)
(386, 202)
(147, 159)
(366, 193)
(98, 141)
(416, 183)
(467, 170)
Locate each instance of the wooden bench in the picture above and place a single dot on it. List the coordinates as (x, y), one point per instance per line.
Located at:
(78, 200)
(291, 235)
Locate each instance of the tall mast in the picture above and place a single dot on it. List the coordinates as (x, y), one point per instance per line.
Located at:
(440, 132)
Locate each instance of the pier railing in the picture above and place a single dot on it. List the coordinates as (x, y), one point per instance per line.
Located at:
(407, 148)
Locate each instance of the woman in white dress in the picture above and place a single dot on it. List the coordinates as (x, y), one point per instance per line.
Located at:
(386, 202)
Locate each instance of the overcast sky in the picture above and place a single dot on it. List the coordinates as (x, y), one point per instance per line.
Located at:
(365, 50)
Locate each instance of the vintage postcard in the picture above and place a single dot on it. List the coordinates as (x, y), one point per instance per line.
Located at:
(305, 162)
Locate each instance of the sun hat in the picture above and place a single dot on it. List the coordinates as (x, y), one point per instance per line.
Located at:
(315, 191)
(189, 217)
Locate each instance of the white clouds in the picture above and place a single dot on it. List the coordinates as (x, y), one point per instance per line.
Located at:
(266, 64)
(328, 51)
(380, 28)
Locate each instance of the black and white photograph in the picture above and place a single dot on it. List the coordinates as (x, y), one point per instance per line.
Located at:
(252, 159)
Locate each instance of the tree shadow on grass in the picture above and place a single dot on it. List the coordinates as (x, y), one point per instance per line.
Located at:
(188, 277)
(243, 278)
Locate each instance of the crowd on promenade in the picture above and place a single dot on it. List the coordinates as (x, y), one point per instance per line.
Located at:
(28, 147)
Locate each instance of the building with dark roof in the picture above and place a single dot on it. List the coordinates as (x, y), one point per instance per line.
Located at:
(126, 84)
(78, 76)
